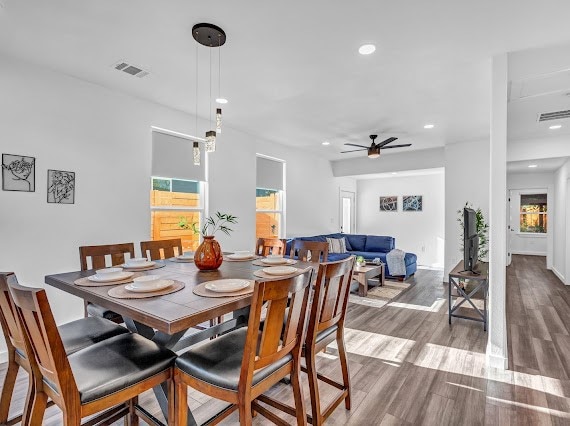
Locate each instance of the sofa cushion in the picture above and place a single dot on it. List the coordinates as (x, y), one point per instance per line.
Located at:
(379, 243)
(341, 235)
(337, 245)
(333, 257)
(357, 242)
(410, 258)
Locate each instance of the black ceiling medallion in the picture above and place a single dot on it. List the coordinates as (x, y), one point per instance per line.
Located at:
(209, 35)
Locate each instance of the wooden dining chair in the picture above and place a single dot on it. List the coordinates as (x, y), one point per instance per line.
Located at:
(326, 325)
(75, 336)
(97, 255)
(266, 246)
(104, 378)
(239, 366)
(310, 251)
(161, 249)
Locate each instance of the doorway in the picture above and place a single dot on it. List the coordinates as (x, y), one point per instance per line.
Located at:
(347, 212)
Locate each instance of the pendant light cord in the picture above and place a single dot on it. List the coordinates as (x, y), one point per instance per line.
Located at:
(219, 66)
(196, 99)
(210, 86)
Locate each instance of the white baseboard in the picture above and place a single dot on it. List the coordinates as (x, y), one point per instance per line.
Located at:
(530, 253)
(3, 357)
(497, 361)
(559, 275)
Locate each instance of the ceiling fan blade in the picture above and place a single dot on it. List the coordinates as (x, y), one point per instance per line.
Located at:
(386, 142)
(354, 150)
(396, 146)
(353, 144)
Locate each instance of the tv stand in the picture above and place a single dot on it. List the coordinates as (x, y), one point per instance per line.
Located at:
(457, 294)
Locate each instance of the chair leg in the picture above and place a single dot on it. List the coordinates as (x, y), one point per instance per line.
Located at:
(8, 389)
(133, 418)
(344, 366)
(38, 408)
(30, 399)
(298, 395)
(85, 314)
(313, 387)
(172, 403)
(181, 402)
(245, 417)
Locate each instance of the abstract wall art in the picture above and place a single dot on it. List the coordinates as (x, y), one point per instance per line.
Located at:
(389, 203)
(412, 203)
(18, 173)
(61, 187)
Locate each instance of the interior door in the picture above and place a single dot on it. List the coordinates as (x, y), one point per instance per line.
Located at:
(347, 212)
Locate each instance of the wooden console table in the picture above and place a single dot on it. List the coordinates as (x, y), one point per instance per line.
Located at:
(457, 295)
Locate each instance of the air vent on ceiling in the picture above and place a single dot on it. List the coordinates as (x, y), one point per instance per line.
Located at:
(556, 115)
(130, 69)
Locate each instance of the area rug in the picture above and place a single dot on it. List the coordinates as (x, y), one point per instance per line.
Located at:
(381, 295)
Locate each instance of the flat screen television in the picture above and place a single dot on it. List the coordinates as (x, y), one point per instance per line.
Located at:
(470, 240)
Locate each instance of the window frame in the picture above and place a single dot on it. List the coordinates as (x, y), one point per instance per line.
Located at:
(537, 191)
(280, 212)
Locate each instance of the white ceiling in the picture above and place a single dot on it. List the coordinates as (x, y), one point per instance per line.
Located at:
(543, 165)
(291, 69)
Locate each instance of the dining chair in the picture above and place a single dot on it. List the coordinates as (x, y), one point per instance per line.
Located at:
(75, 336)
(104, 378)
(161, 249)
(310, 251)
(266, 246)
(241, 365)
(97, 255)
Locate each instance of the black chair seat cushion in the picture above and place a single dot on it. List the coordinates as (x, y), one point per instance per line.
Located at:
(99, 311)
(117, 363)
(77, 335)
(218, 362)
(326, 333)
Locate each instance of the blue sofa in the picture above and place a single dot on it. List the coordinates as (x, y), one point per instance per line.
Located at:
(367, 246)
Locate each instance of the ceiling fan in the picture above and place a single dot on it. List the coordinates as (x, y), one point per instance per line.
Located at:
(374, 148)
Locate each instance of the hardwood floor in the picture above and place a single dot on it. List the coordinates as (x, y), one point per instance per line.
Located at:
(408, 366)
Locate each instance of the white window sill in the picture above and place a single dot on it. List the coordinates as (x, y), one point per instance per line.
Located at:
(531, 235)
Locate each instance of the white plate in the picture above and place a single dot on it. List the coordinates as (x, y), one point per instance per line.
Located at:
(280, 270)
(240, 256)
(227, 286)
(139, 265)
(185, 257)
(116, 277)
(159, 285)
(280, 261)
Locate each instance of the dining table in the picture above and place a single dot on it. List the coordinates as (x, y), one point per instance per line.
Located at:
(167, 319)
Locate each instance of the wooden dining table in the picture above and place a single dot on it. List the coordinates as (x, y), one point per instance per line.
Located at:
(166, 319)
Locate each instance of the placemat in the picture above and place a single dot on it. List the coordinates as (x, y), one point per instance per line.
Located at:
(85, 282)
(249, 259)
(201, 290)
(175, 259)
(146, 268)
(260, 263)
(259, 273)
(122, 293)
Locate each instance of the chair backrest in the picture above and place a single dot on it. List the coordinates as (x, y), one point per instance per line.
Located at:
(330, 298)
(283, 329)
(310, 251)
(98, 253)
(8, 315)
(266, 246)
(161, 249)
(43, 339)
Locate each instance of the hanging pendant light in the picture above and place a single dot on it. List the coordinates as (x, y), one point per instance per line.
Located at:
(196, 153)
(210, 141)
(218, 120)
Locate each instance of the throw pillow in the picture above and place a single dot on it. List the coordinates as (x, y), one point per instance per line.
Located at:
(337, 245)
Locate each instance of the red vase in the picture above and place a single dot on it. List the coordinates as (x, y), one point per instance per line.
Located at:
(208, 256)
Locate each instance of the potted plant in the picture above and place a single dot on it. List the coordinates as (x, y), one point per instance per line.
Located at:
(208, 255)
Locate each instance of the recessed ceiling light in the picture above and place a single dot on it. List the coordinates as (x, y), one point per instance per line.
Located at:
(325, 143)
(532, 166)
(366, 49)
(221, 101)
(394, 173)
(429, 126)
(555, 126)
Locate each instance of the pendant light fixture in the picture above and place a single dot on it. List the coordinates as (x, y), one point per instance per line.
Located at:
(196, 153)
(206, 35)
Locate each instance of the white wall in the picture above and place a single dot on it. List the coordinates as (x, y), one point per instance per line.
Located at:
(560, 264)
(422, 232)
(541, 245)
(466, 180)
(105, 137)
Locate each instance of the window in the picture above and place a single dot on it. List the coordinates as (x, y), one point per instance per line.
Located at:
(178, 189)
(175, 201)
(533, 214)
(269, 198)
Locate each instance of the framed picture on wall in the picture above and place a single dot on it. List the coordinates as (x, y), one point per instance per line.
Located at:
(389, 203)
(412, 203)
(60, 187)
(18, 173)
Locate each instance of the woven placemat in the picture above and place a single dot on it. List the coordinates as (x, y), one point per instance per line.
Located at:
(249, 259)
(201, 290)
(175, 259)
(260, 263)
(85, 282)
(259, 273)
(146, 268)
(122, 293)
